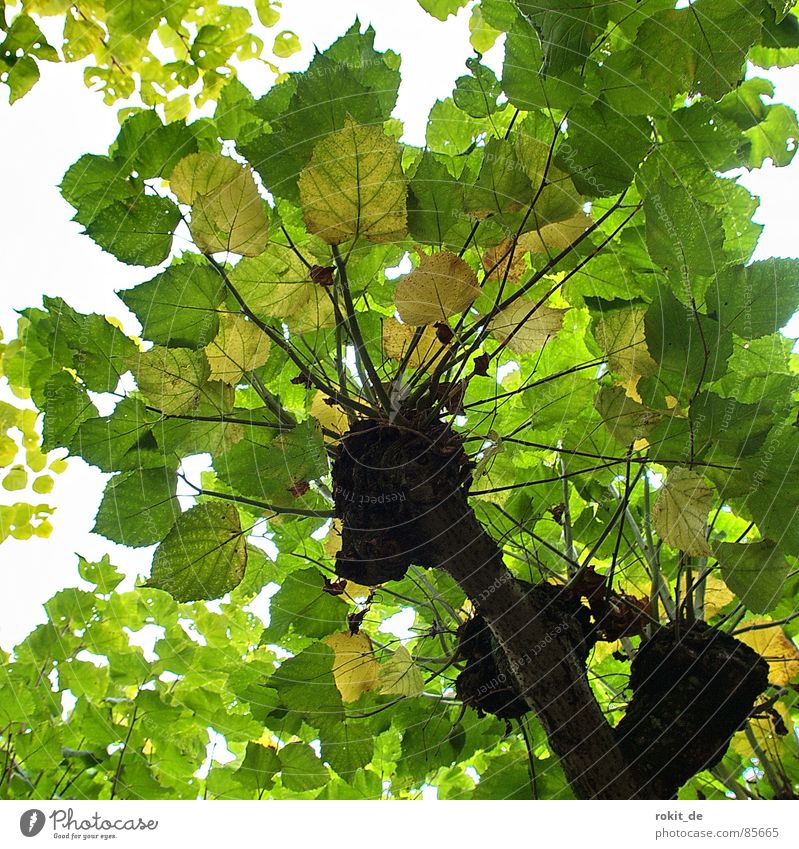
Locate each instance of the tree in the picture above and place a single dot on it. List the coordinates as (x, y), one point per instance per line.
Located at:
(525, 383)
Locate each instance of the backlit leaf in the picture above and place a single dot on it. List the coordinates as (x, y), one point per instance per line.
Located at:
(355, 667)
(401, 676)
(204, 555)
(441, 286)
(239, 347)
(681, 510)
(354, 187)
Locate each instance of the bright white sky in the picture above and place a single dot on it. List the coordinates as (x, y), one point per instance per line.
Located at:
(43, 252)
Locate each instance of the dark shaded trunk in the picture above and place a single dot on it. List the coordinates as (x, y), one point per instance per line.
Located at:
(402, 495)
(540, 647)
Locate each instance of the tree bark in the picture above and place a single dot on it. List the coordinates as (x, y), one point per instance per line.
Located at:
(540, 653)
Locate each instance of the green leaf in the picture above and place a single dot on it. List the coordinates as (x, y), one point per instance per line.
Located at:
(179, 307)
(93, 183)
(137, 232)
(347, 747)
(772, 138)
(625, 419)
(684, 234)
(603, 149)
(292, 457)
(276, 284)
(354, 187)
(105, 441)
(65, 406)
(259, 767)
(691, 349)
(139, 507)
(99, 349)
(755, 300)
(320, 702)
(101, 573)
(148, 148)
(568, 28)
(524, 80)
(727, 426)
(204, 555)
(442, 9)
(350, 81)
(21, 78)
(302, 604)
(756, 572)
(706, 43)
(502, 184)
(477, 94)
(435, 202)
(300, 768)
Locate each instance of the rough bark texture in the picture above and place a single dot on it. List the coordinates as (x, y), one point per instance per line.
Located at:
(487, 683)
(402, 495)
(541, 655)
(692, 689)
(402, 498)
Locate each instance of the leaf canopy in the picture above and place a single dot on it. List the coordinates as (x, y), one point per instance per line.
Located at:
(564, 273)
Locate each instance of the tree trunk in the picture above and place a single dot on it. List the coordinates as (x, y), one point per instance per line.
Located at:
(402, 496)
(540, 652)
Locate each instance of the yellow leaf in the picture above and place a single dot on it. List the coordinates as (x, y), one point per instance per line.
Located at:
(228, 214)
(763, 729)
(536, 325)
(717, 596)
(355, 669)
(681, 510)
(353, 590)
(59, 466)
(286, 44)
(400, 676)
(773, 644)
(43, 484)
(354, 187)
(43, 529)
(331, 417)
(15, 479)
(556, 236)
(397, 340)
(496, 260)
(620, 334)
(8, 450)
(442, 285)
(35, 459)
(200, 174)
(332, 543)
(239, 346)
